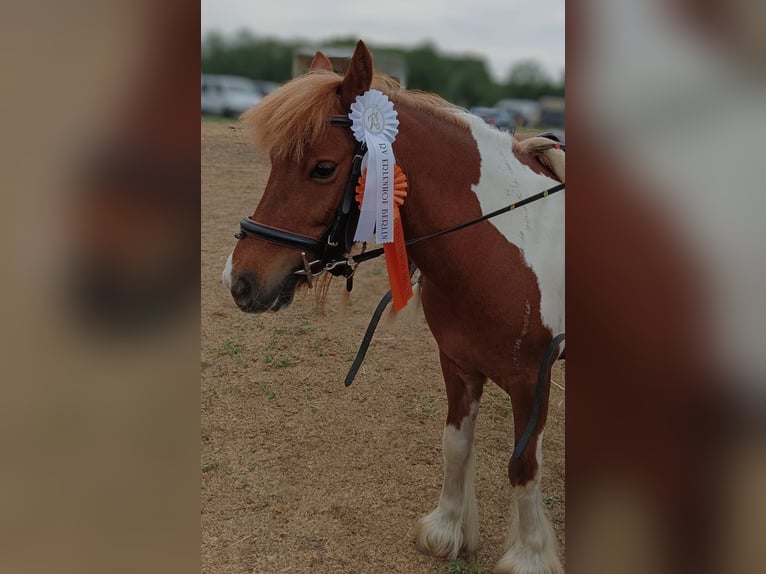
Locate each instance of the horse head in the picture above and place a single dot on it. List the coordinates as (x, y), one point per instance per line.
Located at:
(311, 160)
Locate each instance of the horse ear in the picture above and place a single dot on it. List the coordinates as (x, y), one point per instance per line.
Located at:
(320, 63)
(358, 78)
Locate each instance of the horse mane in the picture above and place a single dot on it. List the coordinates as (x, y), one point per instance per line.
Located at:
(290, 119)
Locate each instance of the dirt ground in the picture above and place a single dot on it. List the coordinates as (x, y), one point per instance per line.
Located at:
(299, 473)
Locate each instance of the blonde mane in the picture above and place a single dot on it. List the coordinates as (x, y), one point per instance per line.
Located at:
(290, 119)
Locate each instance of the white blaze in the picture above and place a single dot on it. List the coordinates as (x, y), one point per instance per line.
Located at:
(226, 275)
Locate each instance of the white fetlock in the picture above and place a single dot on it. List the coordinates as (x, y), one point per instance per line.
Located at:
(439, 535)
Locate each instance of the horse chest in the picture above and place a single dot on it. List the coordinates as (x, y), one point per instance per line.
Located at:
(490, 336)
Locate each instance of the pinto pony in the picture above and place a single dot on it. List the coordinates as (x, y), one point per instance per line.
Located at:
(492, 293)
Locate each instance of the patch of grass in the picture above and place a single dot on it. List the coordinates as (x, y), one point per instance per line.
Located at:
(428, 406)
(271, 395)
(229, 348)
(281, 361)
(458, 566)
(383, 367)
(551, 501)
(318, 346)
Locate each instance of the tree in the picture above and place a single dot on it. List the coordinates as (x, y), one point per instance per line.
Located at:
(529, 80)
(247, 55)
(528, 73)
(463, 80)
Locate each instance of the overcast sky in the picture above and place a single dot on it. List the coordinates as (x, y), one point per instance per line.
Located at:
(502, 31)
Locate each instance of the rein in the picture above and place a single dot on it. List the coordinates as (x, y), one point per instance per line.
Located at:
(545, 193)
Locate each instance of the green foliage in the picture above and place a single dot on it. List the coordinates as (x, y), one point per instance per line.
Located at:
(528, 80)
(463, 80)
(247, 55)
(458, 566)
(229, 348)
(270, 394)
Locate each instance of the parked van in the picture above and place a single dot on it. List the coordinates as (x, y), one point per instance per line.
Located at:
(228, 95)
(552, 111)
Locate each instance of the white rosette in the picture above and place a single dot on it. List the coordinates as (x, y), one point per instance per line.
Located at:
(374, 122)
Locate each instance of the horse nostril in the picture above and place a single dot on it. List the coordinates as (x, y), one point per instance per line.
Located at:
(241, 290)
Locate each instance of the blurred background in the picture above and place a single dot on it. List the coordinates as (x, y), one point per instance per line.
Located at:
(100, 329)
(665, 274)
(502, 60)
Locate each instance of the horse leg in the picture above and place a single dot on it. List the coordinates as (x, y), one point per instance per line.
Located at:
(530, 542)
(454, 524)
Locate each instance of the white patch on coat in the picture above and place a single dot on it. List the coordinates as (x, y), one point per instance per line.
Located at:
(536, 229)
(226, 275)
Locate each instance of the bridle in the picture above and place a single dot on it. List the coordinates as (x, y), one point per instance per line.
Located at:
(334, 245)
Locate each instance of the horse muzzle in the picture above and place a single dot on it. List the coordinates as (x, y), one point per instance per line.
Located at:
(252, 297)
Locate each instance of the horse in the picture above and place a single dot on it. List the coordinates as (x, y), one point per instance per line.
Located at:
(492, 293)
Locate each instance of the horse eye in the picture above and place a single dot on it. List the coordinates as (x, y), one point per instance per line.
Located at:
(323, 170)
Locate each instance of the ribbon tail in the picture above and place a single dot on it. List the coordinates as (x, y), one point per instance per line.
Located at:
(398, 266)
(366, 224)
(384, 224)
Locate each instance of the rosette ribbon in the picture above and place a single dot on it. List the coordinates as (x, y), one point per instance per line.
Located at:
(397, 263)
(374, 122)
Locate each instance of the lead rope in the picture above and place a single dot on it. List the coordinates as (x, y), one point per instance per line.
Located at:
(374, 320)
(540, 388)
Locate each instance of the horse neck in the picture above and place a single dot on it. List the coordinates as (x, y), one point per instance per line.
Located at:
(442, 162)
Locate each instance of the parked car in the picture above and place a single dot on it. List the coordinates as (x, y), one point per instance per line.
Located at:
(497, 117)
(526, 112)
(552, 111)
(228, 95)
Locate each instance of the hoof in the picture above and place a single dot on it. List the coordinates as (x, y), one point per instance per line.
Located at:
(524, 560)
